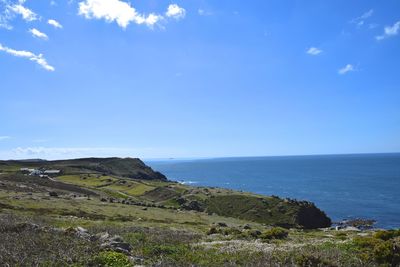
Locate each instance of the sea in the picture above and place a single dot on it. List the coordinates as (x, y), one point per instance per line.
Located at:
(363, 186)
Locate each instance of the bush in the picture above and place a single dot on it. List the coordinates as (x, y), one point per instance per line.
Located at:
(112, 259)
(224, 231)
(376, 249)
(307, 260)
(212, 230)
(366, 242)
(387, 253)
(275, 233)
(386, 235)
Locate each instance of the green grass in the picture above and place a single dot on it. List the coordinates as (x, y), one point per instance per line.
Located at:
(89, 180)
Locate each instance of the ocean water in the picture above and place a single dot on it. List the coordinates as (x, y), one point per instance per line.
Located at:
(344, 186)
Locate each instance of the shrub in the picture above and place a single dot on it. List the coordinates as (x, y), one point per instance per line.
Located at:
(170, 250)
(212, 230)
(376, 249)
(275, 233)
(386, 235)
(112, 259)
(341, 235)
(387, 253)
(366, 242)
(307, 260)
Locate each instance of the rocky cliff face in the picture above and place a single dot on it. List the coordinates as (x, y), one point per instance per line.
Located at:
(311, 217)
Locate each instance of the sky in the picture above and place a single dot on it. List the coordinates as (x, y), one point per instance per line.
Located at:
(198, 78)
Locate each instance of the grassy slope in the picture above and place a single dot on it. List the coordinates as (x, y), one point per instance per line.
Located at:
(228, 203)
(163, 234)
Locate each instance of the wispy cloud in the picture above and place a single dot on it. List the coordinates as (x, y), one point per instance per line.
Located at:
(360, 21)
(39, 59)
(123, 13)
(314, 51)
(4, 137)
(175, 11)
(5, 15)
(9, 9)
(390, 31)
(25, 12)
(38, 34)
(54, 23)
(203, 12)
(346, 69)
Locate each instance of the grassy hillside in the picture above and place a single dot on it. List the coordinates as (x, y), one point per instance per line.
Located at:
(161, 223)
(108, 180)
(124, 167)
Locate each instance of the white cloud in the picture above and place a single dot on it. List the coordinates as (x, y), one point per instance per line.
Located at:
(367, 14)
(314, 51)
(152, 19)
(54, 23)
(39, 59)
(4, 137)
(9, 9)
(203, 12)
(346, 69)
(390, 31)
(360, 21)
(175, 11)
(5, 15)
(115, 10)
(26, 13)
(38, 34)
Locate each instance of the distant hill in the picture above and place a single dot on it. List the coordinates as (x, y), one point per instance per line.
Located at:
(123, 167)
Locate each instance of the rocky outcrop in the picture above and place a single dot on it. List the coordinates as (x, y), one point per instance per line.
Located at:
(115, 243)
(311, 217)
(105, 240)
(269, 210)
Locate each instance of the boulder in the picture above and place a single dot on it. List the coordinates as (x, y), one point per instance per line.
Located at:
(53, 194)
(115, 243)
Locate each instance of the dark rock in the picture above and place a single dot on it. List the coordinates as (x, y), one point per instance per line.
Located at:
(193, 205)
(310, 217)
(181, 200)
(78, 232)
(115, 243)
(53, 194)
(246, 226)
(255, 233)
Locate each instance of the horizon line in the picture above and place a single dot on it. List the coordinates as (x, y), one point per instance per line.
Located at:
(212, 157)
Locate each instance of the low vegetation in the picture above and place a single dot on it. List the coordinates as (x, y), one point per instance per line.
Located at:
(84, 217)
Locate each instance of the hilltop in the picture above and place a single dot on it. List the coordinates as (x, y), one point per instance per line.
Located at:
(123, 167)
(117, 212)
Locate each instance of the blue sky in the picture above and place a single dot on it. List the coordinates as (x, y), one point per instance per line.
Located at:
(160, 79)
